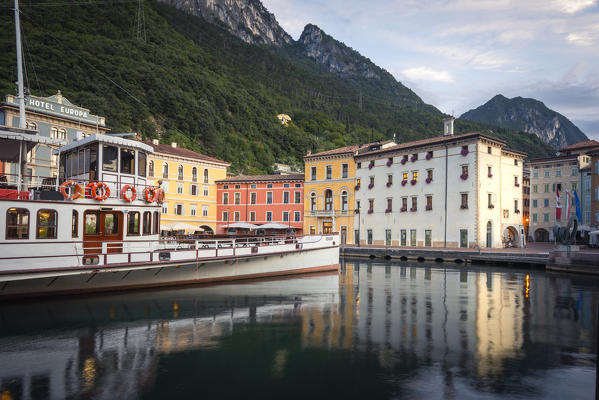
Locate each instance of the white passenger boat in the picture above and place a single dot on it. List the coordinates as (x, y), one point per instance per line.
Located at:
(97, 227)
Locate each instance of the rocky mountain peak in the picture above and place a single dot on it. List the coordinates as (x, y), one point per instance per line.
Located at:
(249, 20)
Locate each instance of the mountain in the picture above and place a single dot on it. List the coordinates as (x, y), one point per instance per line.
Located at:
(196, 83)
(528, 115)
(249, 20)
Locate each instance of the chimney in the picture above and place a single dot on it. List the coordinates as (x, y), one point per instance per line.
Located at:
(448, 126)
(174, 145)
(155, 141)
(309, 152)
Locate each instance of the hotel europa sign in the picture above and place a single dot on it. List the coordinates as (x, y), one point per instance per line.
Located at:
(57, 106)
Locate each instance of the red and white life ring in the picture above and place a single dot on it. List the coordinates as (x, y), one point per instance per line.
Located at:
(160, 196)
(125, 193)
(75, 193)
(151, 194)
(100, 187)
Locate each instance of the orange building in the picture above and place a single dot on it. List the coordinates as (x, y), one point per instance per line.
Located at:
(260, 199)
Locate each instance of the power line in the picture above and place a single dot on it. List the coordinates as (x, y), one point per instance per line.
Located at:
(140, 22)
(70, 3)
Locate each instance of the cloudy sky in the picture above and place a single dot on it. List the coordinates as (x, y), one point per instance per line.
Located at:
(458, 54)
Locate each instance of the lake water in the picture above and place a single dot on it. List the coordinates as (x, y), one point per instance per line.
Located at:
(392, 330)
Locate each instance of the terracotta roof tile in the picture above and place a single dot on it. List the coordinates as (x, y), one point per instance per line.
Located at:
(181, 152)
(581, 145)
(263, 178)
(347, 149)
(554, 158)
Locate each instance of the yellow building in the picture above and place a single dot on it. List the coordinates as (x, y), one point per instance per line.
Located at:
(188, 180)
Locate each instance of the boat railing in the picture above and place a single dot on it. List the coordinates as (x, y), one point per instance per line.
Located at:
(136, 252)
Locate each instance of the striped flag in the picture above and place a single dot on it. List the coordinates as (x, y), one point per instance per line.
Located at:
(558, 205)
(567, 202)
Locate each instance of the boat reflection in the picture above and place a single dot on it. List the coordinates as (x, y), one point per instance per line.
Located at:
(417, 327)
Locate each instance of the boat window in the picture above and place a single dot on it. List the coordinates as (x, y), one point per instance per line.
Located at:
(156, 222)
(81, 169)
(147, 225)
(75, 224)
(69, 164)
(111, 224)
(46, 224)
(127, 161)
(92, 224)
(61, 167)
(133, 223)
(86, 164)
(93, 163)
(109, 158)
(141, 164)
(17, 223)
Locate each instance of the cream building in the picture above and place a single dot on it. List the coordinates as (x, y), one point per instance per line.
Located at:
(448, 191)
(188, 179)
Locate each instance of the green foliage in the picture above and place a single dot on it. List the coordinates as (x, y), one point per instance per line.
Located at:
(207, 90)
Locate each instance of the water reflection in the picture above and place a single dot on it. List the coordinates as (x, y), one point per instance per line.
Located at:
(374, 330)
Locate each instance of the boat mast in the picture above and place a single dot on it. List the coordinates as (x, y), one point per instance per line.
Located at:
(20, 68)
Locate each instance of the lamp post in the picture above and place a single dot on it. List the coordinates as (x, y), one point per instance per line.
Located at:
(228, 220)
(359, 220)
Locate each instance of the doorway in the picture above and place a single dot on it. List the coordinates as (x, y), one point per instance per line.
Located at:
(100, 227)
(489, 235)
(343, 234)
(327, 227)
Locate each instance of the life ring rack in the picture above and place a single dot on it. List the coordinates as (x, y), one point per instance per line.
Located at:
(103, 187)
(75, 193)
(125, 193)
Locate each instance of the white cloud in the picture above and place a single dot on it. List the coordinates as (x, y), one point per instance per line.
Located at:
(427, 74)
(572, 6)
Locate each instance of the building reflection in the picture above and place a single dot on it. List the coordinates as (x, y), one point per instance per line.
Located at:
(473, 322)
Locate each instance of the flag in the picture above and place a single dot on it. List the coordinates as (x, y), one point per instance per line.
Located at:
(558, 205)
(577, 202)
(567, 202)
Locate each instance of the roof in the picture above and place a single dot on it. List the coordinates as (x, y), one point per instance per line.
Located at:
(437, 140)
(346, 150)
(181, 152)
(581, 145)
(553, 159)
(116, 140)
(263, 178)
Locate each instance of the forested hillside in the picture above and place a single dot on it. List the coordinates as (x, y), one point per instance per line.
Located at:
(194, 83)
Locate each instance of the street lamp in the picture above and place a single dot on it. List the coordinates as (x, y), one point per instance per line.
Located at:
(228, 220)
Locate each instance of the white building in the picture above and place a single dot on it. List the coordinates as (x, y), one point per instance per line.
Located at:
(448, 191)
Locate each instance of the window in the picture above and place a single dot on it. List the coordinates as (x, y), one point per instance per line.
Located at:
(387, 237)
(298, 197)
(268, 197)
(369, 235)
(225, 186)
(465, 170)
(359, 165)
(535, 218)
(574, 186)
(253, 196)
(490, 200)
(415, 176)
(389, 180)
(546, 188)
(515, 162)
(225, 216)
(412, 237)
(535, 188)
(463, 238)
(464, 204)
(75, 224)
(285, 185)
(389, 204)
(109, 158)
(329, 172)
(545, 203)
(356, 236)
(516, 181)
(253, 186)
(194, 174)
(91, 223)
(252, 216)
(236, 216)
(574, 172)
(344, 170)
(371, 184)
(358, 184)
(297, 216)
(165, 208)
(192, 210)
(358, 206)
(429, 202)
(404, 204)
(151, 168)
(313, 202)
(328, 200)
(545, 217)
(516, 210)
(414, 204)
(490, 171)
(237, 186)
(535, 203)
(204, 211)
(489, 150)
(370, 206)
(225, 198)
(558, 173)
(405, 176)
(298, 185)
(403, 237)
(344, 201)
(179, 210)
(147, 223)
(268, 216)
(429, 174)
(127, 161)
(165, 170)
(179, 188)
(313, 173)
(269, 185)
(428, 242)
(206, 176)
(193, 190)
(141, 164)
(205, 191)
(133, 223)
(535, 175)
(46, 224)
(285, 197)
(54, 131)
(237, 198)
(156, 228)
(180, 172)
(285, 216)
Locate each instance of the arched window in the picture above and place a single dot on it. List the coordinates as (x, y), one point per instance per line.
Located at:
(180, 173)
(165, 170)
(328, 200)
(194, 174)
(151, 168)
(206, 175)
(46, 224)
(17, 223)
(31, 125)
(344, 201)
(313, 202)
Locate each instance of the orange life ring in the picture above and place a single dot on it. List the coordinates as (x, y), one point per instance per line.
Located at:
(75, 194)
(160, 196)
(124, 193)
(90, 189)
(104, 187)
(150, 194)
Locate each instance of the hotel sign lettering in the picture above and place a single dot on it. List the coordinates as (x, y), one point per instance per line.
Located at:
(60, 110)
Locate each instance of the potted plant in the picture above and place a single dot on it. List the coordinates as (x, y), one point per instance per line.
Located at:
(370, 186)
(429, 155)
(389, 184)
(429, 180)
(389, 162)
(429, 207)
(490, 175)
(387, 211)
(404, 209)
(413, 182)
(414, 158)
(403, 183)
(464, 151)
(404, 160)
(371, 164)
(370, 211)
(464, 177)
(413, 209)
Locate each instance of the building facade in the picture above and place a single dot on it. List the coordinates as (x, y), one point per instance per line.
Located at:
(330, 185)
(189, 181)
(449, 191)
(259, 200)
(55, 117)
(594, 188)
